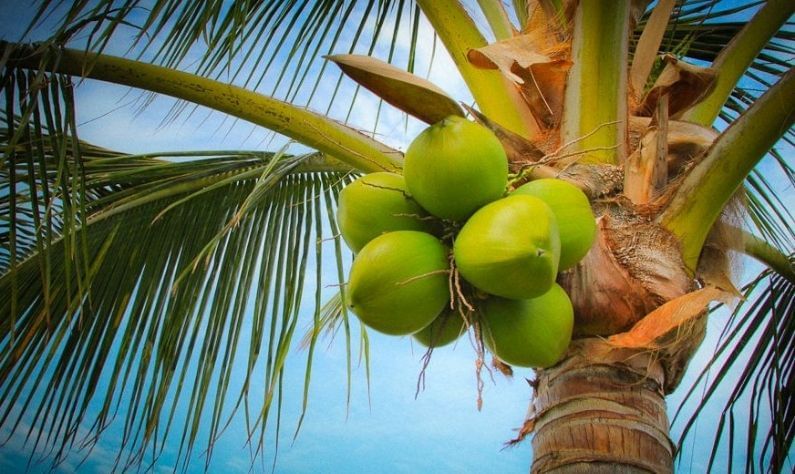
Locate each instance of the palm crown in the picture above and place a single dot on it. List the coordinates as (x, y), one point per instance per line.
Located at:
(226, 242)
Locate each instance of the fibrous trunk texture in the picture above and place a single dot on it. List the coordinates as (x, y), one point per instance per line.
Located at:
(601, 410)
(633, 267)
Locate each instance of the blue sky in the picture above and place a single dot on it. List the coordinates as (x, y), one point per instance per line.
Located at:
(386, 428)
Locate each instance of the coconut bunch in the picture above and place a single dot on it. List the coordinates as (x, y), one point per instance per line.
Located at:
(446, 247)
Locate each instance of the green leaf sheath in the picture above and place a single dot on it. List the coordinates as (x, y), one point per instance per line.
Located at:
(707, 188)
(495, 96)
(498, 20)
(595, 109)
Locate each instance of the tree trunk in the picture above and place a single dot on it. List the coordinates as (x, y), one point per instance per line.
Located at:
(601, 410)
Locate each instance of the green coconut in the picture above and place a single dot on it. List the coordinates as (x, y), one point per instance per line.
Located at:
(374, 204)
(398, 282)
(454, 167)
(446, 328)
(529, 333)
(576, 222)
(510, 248)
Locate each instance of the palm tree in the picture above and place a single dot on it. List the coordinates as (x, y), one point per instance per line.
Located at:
(143, 266)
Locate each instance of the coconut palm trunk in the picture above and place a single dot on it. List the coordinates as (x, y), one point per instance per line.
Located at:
(605, 96)
(602, 407)
(601, 414)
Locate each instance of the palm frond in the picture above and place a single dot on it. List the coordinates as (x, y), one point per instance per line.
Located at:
(742, 400)
(309, 128)
(700, 29)
(273, 47)
(158, 276)
(164, 316)
(768, 213)
(742, 394)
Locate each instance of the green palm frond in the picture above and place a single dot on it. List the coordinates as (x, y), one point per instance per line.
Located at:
(768, 213)
(273, 47)
(153, 304)
(699, 30)
(156, 273)
(51, 172)
(749, 382)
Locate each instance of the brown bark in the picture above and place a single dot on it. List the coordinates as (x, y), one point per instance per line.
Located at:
(601, 409)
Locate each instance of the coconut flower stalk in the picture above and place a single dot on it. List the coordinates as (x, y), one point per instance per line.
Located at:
(586, 93)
